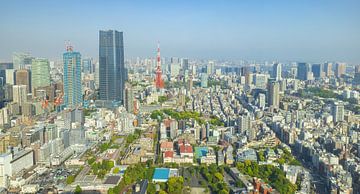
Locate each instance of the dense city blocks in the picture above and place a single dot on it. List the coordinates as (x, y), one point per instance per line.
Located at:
(244, 97)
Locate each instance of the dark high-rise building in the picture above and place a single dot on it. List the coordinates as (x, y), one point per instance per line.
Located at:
(303, 70)
(111, 66)
(129, 99)
(317, 70)
(357, 69)
(23, 77)
(273, 94)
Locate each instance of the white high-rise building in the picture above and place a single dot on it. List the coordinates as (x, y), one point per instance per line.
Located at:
(10, 76)
(20, 94)
(261, 100)
(338, 112)
(175, 69)
(260, 80)
(5, 169)
(244, 123)
(210, 68)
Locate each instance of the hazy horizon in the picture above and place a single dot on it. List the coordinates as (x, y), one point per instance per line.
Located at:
(255, 30)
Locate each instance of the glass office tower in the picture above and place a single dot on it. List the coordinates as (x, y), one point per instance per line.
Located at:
(111, 66)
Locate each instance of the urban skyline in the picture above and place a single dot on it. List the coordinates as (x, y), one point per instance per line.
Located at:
(192, 114)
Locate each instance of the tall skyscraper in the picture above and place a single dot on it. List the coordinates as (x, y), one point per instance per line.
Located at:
(10, 76)
(23, 77)
(185, 64)
(273, 94)
(210, 68)
(111, 66)
(88, 66)
(72, 78)
(244, 122)
(40, 73)
(19, 94)
(340, 69)
(328, 69)
(337, 112)
(317, 70)
(260, 80)
(261, 101)
(204, 80)
(277, 71)
(20, 60)
(357, 69)
(303, 71)
(190, 84)
(174, 69)
(129, 99)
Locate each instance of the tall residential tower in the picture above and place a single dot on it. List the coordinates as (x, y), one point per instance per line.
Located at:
(72, 78)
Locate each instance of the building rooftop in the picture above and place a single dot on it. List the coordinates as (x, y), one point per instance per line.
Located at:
(161, 174)
(112, 180)
(200, 152)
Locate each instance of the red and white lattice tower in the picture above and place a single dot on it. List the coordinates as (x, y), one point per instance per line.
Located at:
(159, 83)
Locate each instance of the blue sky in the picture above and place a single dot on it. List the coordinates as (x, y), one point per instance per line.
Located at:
(298, 30)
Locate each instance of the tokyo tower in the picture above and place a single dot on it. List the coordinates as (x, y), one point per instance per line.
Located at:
(159, 83)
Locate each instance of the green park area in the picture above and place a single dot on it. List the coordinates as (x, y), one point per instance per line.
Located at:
(184, 115)
(270, 174)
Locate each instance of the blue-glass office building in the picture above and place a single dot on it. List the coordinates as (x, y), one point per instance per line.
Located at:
(111, 66)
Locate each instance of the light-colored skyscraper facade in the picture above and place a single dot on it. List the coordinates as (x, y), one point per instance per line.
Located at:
(10, 76)
(20, 60)
(72, 79)
(40, 73)
(328, 69)
(20, 94)
(337, 110)
(277, 71)
(111, 66)
(210, 68)
(261, 101)
(340, 69)
(260, 80)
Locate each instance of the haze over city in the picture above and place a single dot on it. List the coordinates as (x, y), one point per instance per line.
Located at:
(180, 97)
(254, 30)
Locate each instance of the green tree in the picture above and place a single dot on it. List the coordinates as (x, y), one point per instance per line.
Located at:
(151, 189)
(70, 179)
(219, 176)
(162, 192)
(175, 184)
(78, 189)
